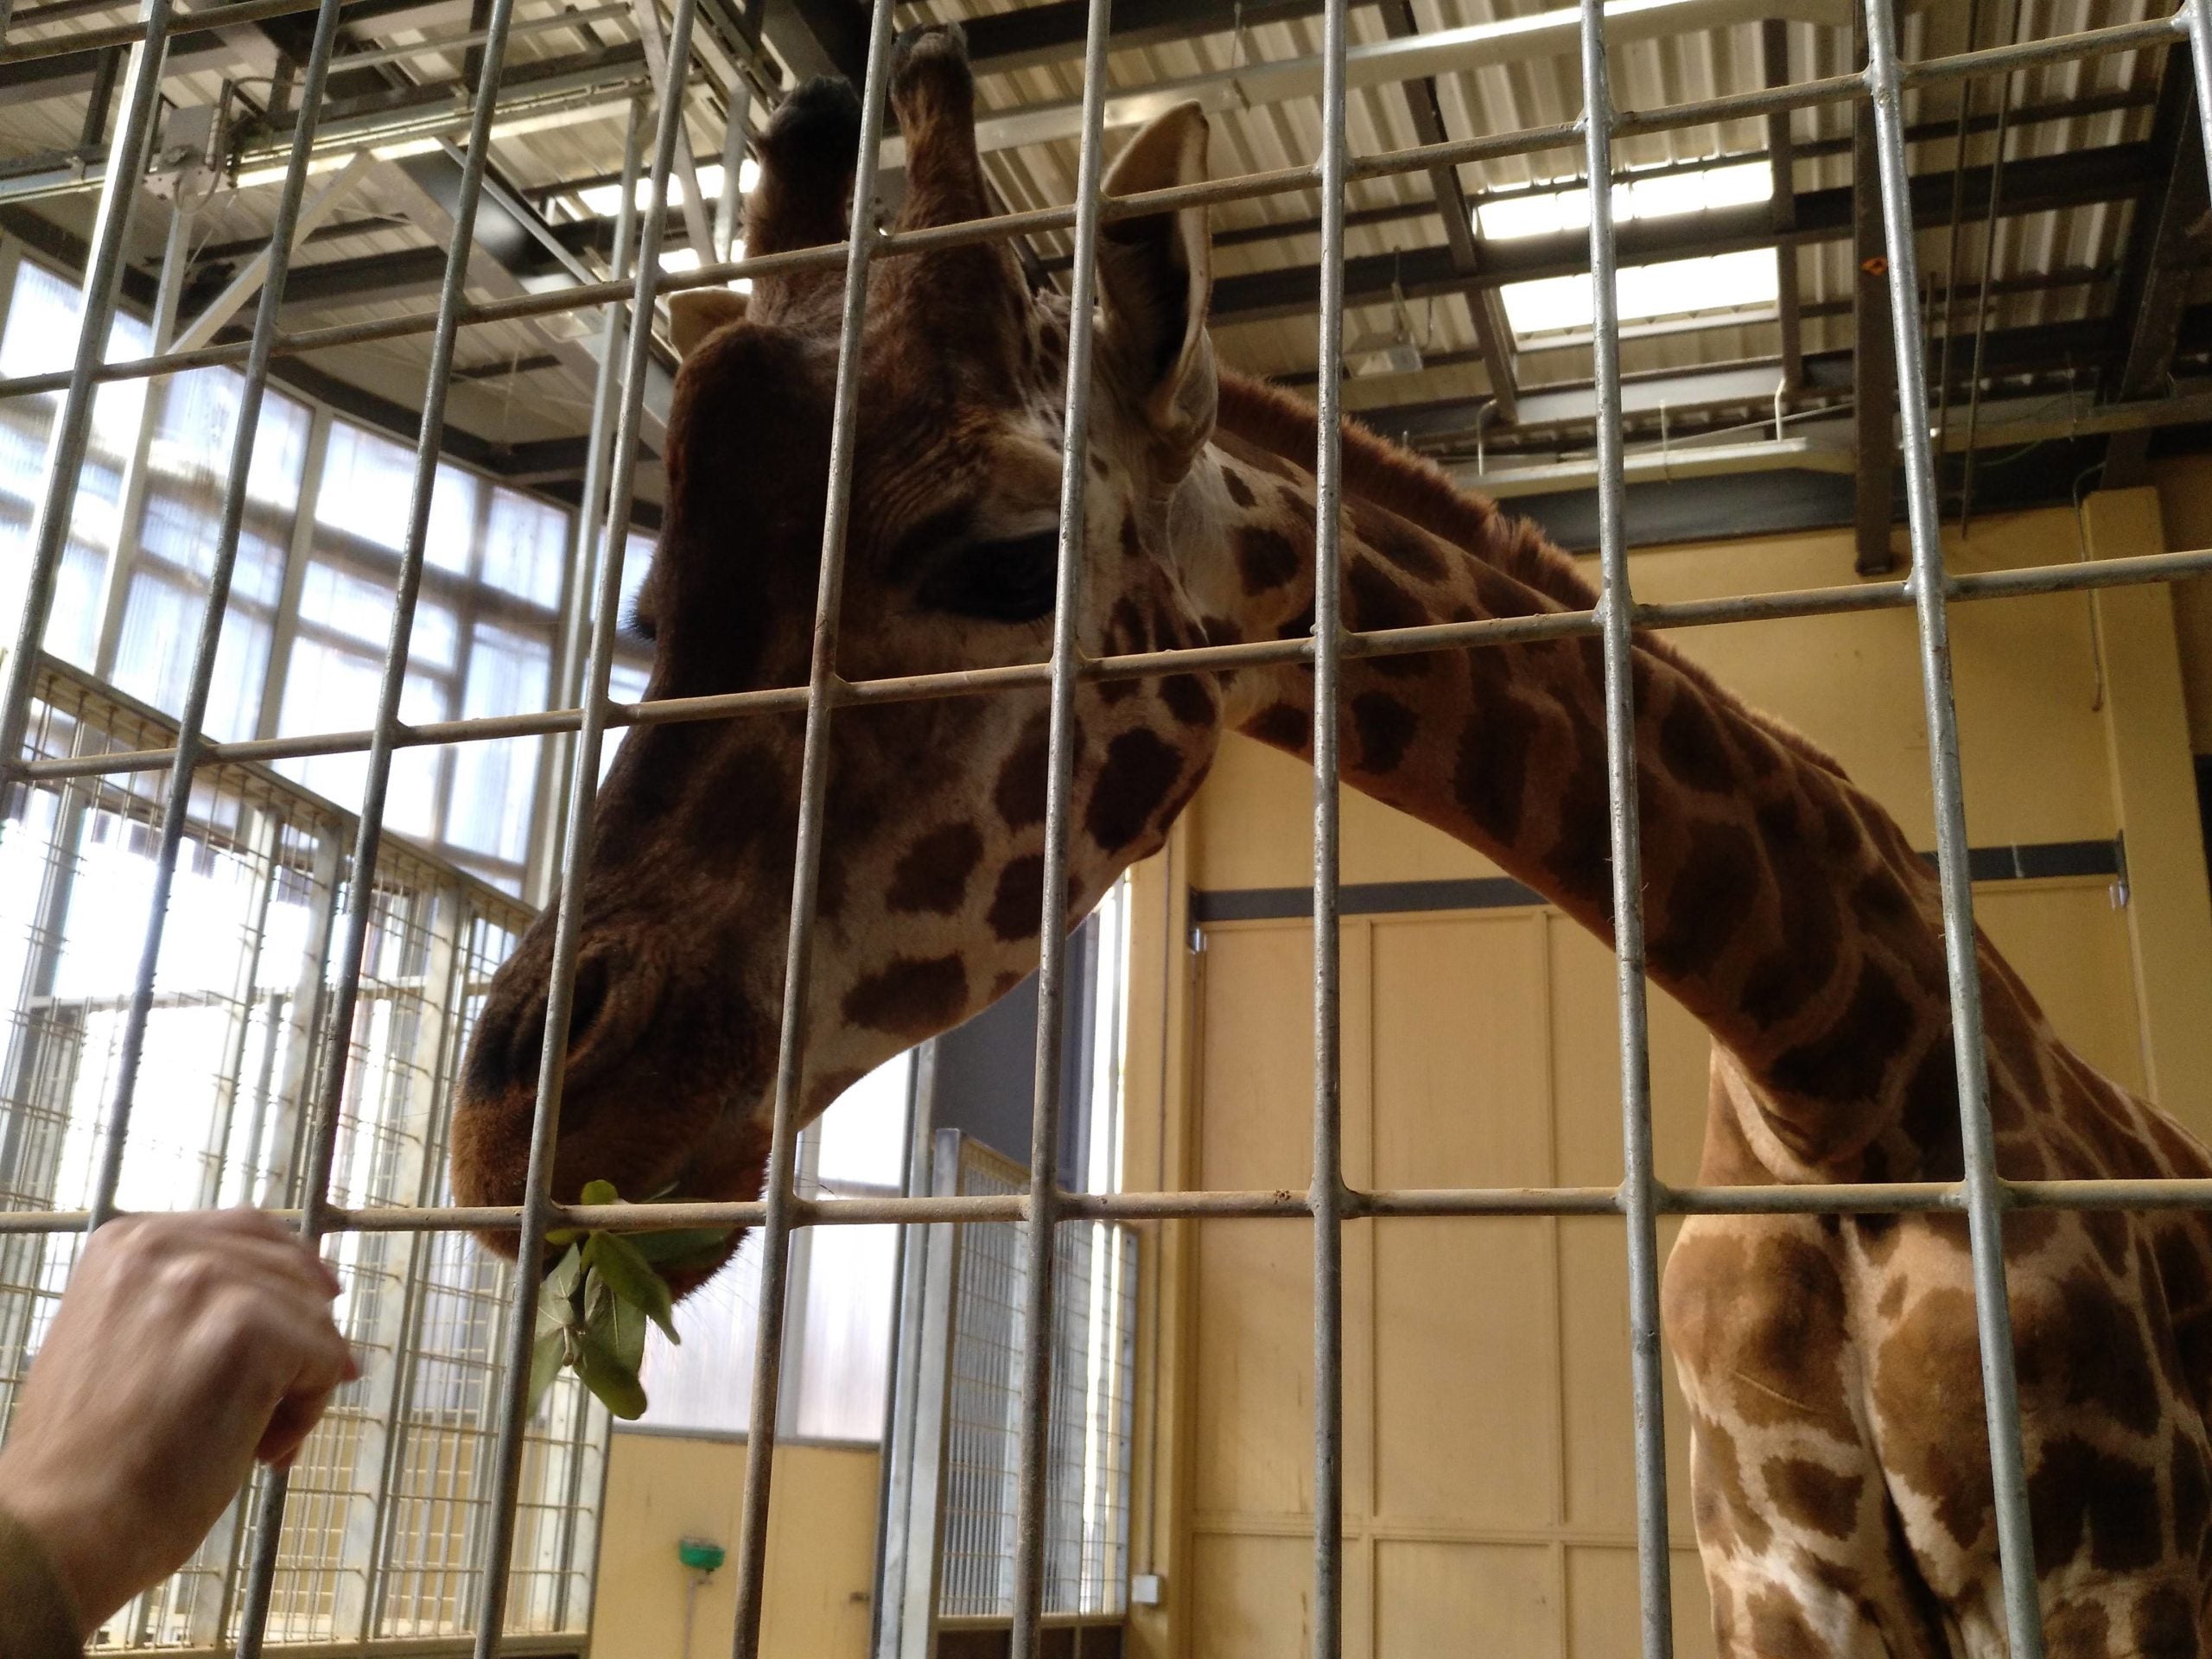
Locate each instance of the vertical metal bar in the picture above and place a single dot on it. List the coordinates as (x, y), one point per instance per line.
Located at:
(813, 791)
(595, 537)
(2198, 16)
(176, 806)
(513, 1405)
(734, 146)
(102, 265)
(1638, 1189)
(1984, 1196)
(130, 500)
(1988, 270)
(360, 898)
(1959, 146)
(1033, 1435)
(1326, 1196)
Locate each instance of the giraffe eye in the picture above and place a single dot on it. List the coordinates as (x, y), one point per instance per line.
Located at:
(1010, 580)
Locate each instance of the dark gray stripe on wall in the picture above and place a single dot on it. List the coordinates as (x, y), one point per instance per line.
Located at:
(2022, 863)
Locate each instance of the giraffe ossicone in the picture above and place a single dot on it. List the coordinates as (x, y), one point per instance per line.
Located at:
(1840, 1476)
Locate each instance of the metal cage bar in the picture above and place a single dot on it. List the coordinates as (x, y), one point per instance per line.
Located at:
(176, 807)
(1039, 1234)
(1615, 609)
(814, 788)
(1327, 1194)
(360, 900)
(1982, 1196)
(102, 272)
(583, 793)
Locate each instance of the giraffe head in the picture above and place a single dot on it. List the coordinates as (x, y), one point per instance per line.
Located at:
(932, 842)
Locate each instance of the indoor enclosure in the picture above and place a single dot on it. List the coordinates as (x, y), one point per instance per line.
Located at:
(1279, 1267)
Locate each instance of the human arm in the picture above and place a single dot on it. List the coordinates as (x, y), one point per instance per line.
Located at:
(187, 1347)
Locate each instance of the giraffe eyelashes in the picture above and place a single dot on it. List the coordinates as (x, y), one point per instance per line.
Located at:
(1009, 580)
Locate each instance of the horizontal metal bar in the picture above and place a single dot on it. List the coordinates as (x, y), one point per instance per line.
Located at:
(94, 39)
(1389, 1203)
(611, 14)
(1833, 89)
(1259, 653)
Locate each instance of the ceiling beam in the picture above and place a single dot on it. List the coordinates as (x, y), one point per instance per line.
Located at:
(68, 73)
(1485, 310)
(1053, 33)
(818, 37)
(2166, 249)
(2055, 350)
(1551, 34)
(2037, 184)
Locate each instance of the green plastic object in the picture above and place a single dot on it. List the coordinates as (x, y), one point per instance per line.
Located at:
(700, 1556)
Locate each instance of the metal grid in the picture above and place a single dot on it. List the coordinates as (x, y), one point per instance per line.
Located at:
(1638, 1200)
(969, 1502)
(385, 1534)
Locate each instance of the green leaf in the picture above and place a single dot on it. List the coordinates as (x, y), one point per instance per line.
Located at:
(682, 1248)
(599, 1192)
(545, 1362)
(561, 1281)
(627, 1338)
(630, 1276)
(617, 1389)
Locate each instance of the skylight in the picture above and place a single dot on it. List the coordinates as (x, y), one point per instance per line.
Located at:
(604, 199)
(1669, 195)
(1713, 284)
(1679, 288)
(675, 259)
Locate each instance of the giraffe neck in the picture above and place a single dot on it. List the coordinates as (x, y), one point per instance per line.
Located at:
(1784, 908)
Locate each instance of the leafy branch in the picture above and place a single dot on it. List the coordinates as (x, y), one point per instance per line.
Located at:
(596, 1299)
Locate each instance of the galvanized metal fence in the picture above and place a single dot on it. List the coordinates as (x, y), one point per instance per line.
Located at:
(385, 1540)
(1639, 1199)
(954, 1448)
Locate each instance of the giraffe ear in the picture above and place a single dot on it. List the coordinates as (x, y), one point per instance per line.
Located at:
(695, 313)
(1155, 276)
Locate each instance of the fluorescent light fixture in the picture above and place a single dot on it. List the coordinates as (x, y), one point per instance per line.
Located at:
(1671, 195)
(675, 259)
(604, 199)
(1720, 283)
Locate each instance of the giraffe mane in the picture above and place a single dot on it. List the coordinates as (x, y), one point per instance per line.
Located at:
(1385, 476)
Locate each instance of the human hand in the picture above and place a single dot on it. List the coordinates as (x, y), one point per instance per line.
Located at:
(186, 1347)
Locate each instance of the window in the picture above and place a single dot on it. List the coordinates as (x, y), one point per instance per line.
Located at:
(1718, 284)
(39, 336)
(838, 1332)
(188, 465)
(486, 625)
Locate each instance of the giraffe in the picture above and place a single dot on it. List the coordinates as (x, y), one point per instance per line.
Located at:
(1840, 1480)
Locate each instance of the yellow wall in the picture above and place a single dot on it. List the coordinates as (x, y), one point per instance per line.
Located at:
(1489, 1490)
(2184, 486)
(821, 1553)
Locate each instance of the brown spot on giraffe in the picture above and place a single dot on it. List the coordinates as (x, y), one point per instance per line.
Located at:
(932, 875)
(1386, 727)
(908, 996)
(1267, 558)
(1188, 699)
(1814, 1496)
(1285, 725)
(1140, 770)
(1018, 904)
